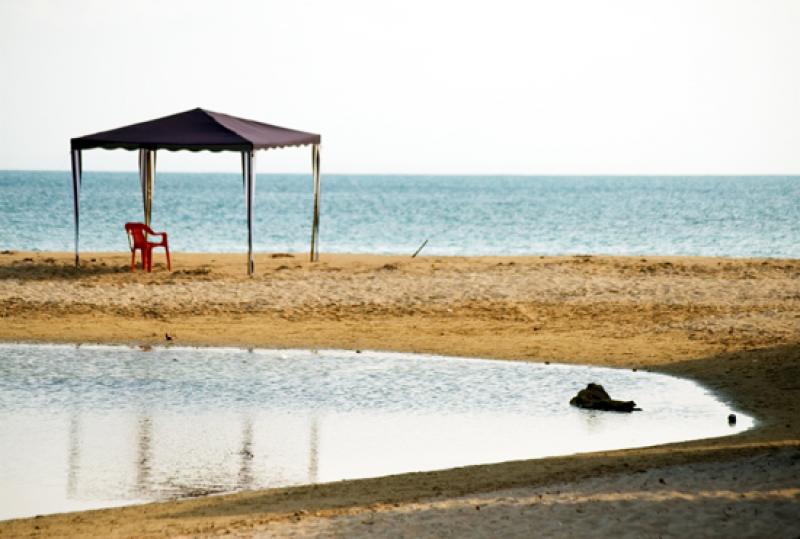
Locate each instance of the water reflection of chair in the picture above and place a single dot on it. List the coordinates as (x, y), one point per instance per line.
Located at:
(246, 478)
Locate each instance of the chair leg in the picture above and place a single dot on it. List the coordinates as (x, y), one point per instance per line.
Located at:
(169, 264)
(148, 259)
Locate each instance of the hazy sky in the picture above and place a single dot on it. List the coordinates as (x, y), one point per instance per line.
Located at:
(528, 87)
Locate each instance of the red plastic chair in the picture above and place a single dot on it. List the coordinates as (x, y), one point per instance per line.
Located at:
(137, 239)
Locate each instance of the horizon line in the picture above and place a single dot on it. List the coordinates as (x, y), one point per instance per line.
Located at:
(470, 174)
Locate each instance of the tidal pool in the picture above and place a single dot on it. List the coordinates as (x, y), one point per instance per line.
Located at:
(97, 426)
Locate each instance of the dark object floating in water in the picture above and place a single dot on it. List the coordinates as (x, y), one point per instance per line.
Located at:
(594, 397)
(732, 419)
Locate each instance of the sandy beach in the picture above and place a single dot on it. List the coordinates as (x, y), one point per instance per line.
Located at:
(731, 324)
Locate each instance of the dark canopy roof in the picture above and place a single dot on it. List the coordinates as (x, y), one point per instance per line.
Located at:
(197, 129)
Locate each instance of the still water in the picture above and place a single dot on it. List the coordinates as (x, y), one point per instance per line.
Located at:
(97, 426)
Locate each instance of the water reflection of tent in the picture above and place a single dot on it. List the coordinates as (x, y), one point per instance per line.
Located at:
(196, 130)
(197, 480)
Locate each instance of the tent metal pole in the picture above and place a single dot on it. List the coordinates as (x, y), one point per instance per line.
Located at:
(150, 181)
(77, 169)
(143, 179)
(244, 172)
(245, 184)
(147, 180)
(315, 221)
(141, 173)
(152, 178)
(251, 188)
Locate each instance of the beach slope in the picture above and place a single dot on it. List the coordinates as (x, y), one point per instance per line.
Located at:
(731, 324)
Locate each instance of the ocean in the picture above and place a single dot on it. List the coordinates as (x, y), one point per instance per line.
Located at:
(737, 216)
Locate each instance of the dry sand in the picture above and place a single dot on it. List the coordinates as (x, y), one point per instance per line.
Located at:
(733, 325)
(692, 500)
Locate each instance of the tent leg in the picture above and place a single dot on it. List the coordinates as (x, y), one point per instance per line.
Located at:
(147, 180)
(77, 170)
(315, 221)
(150, 181)
(245, 184)
(244, 172)
(250, 165)
(143, 177)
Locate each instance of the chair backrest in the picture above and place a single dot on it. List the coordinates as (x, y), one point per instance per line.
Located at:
(137, 234)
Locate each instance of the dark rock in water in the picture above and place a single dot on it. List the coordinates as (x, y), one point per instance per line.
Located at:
(594, 397)
(732, 419)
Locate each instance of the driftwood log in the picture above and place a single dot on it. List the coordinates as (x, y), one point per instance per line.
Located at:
(594, 397)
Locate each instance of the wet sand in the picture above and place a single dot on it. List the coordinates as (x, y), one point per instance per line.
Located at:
(732, 324)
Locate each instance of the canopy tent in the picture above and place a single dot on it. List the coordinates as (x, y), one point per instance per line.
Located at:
(195, 130)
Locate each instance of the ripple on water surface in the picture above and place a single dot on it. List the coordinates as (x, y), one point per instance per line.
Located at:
(97, 426)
